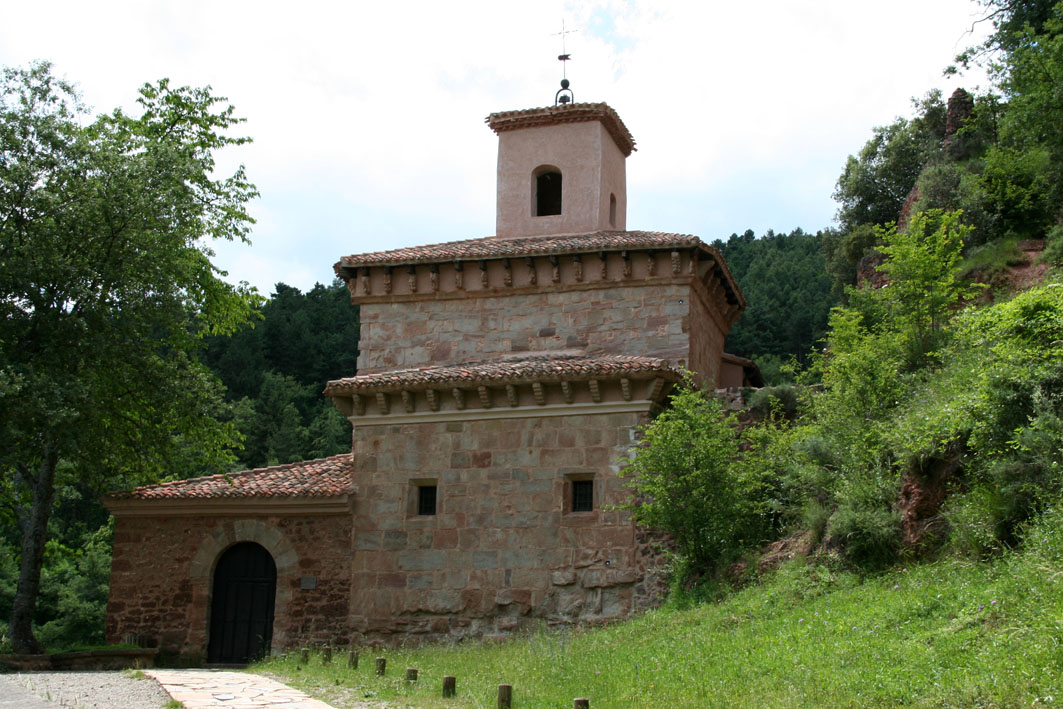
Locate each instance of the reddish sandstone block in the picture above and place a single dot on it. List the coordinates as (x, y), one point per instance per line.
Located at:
(445, 539)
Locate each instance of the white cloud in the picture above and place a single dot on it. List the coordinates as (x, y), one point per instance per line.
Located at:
(368, 117)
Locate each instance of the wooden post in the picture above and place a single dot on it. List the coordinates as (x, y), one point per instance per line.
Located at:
(581, 704)
(326, 655)
(304, 656)
(505, 696)
(381, 666)
(411, 674)
(352, 659)
(450, 686)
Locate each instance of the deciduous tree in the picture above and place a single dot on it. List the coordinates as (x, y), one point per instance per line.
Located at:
(106, 291)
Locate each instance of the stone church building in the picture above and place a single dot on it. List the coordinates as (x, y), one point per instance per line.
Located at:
(500, 381)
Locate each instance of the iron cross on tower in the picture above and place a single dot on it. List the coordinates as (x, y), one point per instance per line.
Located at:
(564, 94)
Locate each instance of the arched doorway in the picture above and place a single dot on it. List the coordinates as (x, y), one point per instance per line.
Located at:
(241, 609)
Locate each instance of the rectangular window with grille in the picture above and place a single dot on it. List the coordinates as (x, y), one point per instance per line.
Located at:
(426, 499)
(582, 495)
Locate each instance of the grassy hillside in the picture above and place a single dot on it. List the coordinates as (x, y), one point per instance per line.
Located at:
(948, 633)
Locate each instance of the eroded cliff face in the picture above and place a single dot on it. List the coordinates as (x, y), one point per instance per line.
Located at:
(959, 111)
(924, 488)
(867, 273)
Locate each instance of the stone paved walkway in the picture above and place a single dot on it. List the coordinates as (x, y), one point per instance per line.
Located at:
(237, 690)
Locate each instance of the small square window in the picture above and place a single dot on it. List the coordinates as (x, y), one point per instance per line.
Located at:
(582, 495)
(426, 499)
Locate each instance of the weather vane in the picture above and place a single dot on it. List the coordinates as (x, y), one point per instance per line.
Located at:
(564, 95)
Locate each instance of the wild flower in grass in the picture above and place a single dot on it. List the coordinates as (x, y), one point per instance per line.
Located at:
(981, 607)
(896, 587)
(993, 602)
(802, 620)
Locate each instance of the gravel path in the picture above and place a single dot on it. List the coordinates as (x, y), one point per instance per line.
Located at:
(91, 690)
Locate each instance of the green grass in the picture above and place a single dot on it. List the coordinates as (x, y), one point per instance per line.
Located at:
(953, 633)
(992, 259)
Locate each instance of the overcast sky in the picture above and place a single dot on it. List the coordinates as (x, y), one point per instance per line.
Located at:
(367, 117)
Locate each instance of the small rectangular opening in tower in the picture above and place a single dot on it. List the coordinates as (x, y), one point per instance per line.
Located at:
(547, 193)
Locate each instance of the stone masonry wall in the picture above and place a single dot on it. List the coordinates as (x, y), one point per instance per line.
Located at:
(162, 569)
(651, 320)
(706, 341)
(504, 549)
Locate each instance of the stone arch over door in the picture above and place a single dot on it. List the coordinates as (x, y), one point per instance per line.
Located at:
(201, 571)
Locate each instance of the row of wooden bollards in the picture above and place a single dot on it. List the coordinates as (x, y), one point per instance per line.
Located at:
(450, 682)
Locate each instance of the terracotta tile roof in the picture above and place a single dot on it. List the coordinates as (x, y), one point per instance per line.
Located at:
(524, 369)
(570, 113)
(493, 247)
(324, 477)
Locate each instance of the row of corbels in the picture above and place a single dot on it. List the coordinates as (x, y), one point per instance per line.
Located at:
(485, 395)
(507, 266)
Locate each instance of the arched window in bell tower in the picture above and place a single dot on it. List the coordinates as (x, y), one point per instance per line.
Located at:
(546, 199)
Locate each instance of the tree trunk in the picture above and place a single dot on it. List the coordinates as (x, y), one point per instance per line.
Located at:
(34, 530)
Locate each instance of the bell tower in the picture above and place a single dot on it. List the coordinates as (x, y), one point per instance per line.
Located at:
(561, 169)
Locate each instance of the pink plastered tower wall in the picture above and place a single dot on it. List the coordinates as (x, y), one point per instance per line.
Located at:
(593, 171)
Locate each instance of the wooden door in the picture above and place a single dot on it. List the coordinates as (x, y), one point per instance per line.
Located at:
(241, 611)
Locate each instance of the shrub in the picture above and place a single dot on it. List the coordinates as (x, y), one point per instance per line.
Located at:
(984, 263)
(8, 581)
(867, 531)
(74, 588)
(1053, 252)
(689, 481)
(973, 519)
(775, 369)
(1044, 534)
(815, 516)
(778, 401)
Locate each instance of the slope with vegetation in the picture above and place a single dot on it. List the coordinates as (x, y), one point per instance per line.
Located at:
(997, 156)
